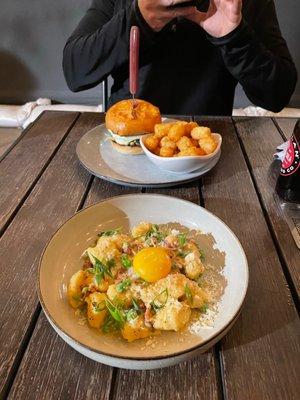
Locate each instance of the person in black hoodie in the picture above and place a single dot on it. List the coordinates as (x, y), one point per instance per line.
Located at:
(191, 59)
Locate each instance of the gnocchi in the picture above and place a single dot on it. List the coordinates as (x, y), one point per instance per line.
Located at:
(138, 283)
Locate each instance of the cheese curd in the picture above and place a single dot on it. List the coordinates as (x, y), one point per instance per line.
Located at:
(139, 283)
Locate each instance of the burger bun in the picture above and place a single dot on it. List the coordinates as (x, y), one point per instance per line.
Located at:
(129, 118)
(130, 150)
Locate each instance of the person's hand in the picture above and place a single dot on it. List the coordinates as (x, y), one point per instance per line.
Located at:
(157, 13)
(221, 18)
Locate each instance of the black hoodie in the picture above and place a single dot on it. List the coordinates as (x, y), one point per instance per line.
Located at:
(183, 70)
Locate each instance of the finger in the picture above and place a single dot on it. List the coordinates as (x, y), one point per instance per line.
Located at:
(178, 12)
(172, 3)
(238, 6)
(175, 12)
(198, 17)
(212, 6)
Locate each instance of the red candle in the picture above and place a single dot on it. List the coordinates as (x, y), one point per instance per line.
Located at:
(134, 60)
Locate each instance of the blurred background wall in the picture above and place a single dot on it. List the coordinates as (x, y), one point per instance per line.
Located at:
(32, 36)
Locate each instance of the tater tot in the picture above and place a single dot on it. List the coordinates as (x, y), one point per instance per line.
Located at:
(156, 151)
(176, 132)
(189, 127)
(200, 152)
(184, 143)
(182, 123)
(200, 132)
(167, 142)
(208, 145)
(195, 142)
(161, 130)
(191, 151)
(151, 142)
(166, 151)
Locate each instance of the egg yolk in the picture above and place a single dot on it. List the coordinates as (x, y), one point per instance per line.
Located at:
(152, 264)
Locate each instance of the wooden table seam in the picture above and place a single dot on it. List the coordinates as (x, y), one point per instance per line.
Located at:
(20, 353)
(279, 129)
(33, 184)
(23, 133)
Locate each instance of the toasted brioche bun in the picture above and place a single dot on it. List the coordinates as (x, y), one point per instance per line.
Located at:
(125, 120)
(132, 150)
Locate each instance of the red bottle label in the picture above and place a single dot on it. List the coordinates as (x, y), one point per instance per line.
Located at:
(291, 160)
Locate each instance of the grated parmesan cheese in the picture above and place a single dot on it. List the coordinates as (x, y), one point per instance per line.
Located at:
(202, 321)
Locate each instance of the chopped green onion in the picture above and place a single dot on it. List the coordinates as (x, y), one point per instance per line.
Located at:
(111, 263)
(182, 254)
(98, 306)
(98, 278)
(110, 233)
(182, 239)
(202, 255)
(115, 312)
(126, 262)
(124, 285)
(188, 294)
(173, 266)
(135, 305)
(99, 270)
(204, 308)
(84, 290)
(156, 233)
(76, 297)
(110, 324)
(102, 267)
(131, 314)
(160, 300)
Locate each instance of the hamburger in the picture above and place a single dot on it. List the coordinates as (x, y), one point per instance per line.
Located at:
(127, 120)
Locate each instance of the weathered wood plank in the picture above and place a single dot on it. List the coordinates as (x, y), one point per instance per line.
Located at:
(187, 381)
(189, 191)
(261, 353)
(56, 197)
(20, 137)
(286, 125)
(101, 190)
(51, 370)
(260, 137)
(91, 380)
(20, 169)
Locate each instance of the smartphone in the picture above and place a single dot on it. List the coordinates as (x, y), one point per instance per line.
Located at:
(191, 3)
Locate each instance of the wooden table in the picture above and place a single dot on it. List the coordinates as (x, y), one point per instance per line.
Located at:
(42, 184)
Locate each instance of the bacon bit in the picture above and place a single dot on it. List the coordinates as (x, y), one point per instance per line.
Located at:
(148, 315)
(128, 251)
(171, 242)
(87, 264)
(120, 277)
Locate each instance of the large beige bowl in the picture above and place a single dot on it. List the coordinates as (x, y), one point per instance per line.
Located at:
(61, 258)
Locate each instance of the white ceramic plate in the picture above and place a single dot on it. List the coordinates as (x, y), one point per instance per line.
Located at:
(98, 157)
(61, 259)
